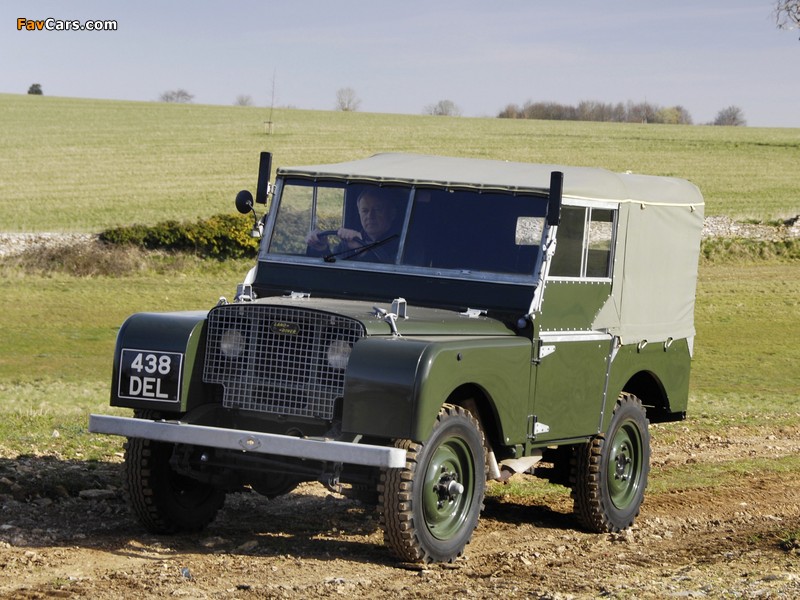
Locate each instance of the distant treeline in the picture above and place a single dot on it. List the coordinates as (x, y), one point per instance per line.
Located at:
(628, 112)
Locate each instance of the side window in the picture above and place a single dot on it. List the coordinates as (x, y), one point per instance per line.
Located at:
(585, 243)
(598, 247)
(569, 247)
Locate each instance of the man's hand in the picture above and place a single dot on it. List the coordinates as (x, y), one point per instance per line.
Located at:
(312, 239)
(351, 237)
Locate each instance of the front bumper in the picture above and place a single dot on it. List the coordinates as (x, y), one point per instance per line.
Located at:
(250, 441)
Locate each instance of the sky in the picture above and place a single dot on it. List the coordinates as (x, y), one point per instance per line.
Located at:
(403, 56)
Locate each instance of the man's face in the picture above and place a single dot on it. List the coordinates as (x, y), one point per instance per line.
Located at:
(376, 216)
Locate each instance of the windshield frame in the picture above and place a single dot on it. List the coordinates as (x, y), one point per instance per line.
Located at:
(398, 266)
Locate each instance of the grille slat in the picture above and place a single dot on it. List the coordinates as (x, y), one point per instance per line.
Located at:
(275, 359)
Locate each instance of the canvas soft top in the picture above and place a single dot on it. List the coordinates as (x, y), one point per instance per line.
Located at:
(579, 182)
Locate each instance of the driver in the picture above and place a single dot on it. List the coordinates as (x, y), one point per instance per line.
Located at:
(377, 215)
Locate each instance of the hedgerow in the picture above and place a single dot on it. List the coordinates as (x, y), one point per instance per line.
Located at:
(717, 250)
(220, 236)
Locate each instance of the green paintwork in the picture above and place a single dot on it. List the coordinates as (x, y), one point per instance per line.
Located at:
(572, 305)
(420, 321)
(195, 393)
(568, 396)
(445, 513)
(395, 386)
(570, 377)
(626, 461)
(667, 368)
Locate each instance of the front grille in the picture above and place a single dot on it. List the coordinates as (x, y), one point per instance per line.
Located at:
(280, 360)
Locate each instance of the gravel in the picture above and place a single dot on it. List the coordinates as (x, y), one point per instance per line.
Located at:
(727, 227)
(12, 244)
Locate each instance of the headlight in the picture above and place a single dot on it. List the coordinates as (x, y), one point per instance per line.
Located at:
(338, 354)
(231, 343)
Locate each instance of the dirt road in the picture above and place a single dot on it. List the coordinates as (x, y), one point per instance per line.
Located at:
(65, 531)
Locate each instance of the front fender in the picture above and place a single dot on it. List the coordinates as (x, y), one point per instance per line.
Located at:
(174, 338)
(395, 387)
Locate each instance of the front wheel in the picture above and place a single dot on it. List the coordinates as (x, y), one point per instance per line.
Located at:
(166, 501)
(610, 471)
(430, 508)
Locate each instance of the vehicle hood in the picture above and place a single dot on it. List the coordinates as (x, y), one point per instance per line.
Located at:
(420, 321)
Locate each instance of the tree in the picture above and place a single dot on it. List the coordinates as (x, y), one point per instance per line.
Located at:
(443, 108)
(179, 96)
(641, 112)
(347, 100)
(787, 14)
(36, 90)
(243, 100)
(511, 111)
(730, 116)
(674, 115)
(684, 118)
(592, 110)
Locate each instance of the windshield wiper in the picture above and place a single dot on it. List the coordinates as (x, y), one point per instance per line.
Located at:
(357, 251)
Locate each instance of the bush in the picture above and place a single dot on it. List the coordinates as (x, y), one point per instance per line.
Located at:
(219, 236)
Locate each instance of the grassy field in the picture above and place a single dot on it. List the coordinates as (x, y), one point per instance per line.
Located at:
(85, 165)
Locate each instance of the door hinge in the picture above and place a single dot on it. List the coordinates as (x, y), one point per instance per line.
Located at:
(546, 350)
(542, 350)
(535, 427)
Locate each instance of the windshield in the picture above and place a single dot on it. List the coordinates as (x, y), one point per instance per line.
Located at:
(438, 228)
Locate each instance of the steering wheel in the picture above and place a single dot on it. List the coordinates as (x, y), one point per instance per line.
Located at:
(327, 232)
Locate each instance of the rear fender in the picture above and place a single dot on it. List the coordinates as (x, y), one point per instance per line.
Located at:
(657, 373)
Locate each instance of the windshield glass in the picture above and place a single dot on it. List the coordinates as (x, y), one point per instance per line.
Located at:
(436, 228)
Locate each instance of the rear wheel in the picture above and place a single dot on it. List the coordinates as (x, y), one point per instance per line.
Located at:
(163, 500)
(275, 484)
(610, 471)
(430, 508)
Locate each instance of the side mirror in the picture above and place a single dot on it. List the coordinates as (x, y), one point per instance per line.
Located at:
(244, 202)
(554, 199)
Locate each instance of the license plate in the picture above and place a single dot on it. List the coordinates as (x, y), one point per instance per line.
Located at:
(150, 375)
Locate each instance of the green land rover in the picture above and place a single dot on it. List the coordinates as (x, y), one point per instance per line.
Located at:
(416, 326)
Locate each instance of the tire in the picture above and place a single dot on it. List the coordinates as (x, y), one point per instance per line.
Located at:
(165, 501)
(610, 471)
(430, 508)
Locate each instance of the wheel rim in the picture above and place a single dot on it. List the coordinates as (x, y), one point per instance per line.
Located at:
(448, 488)
(625, 465)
